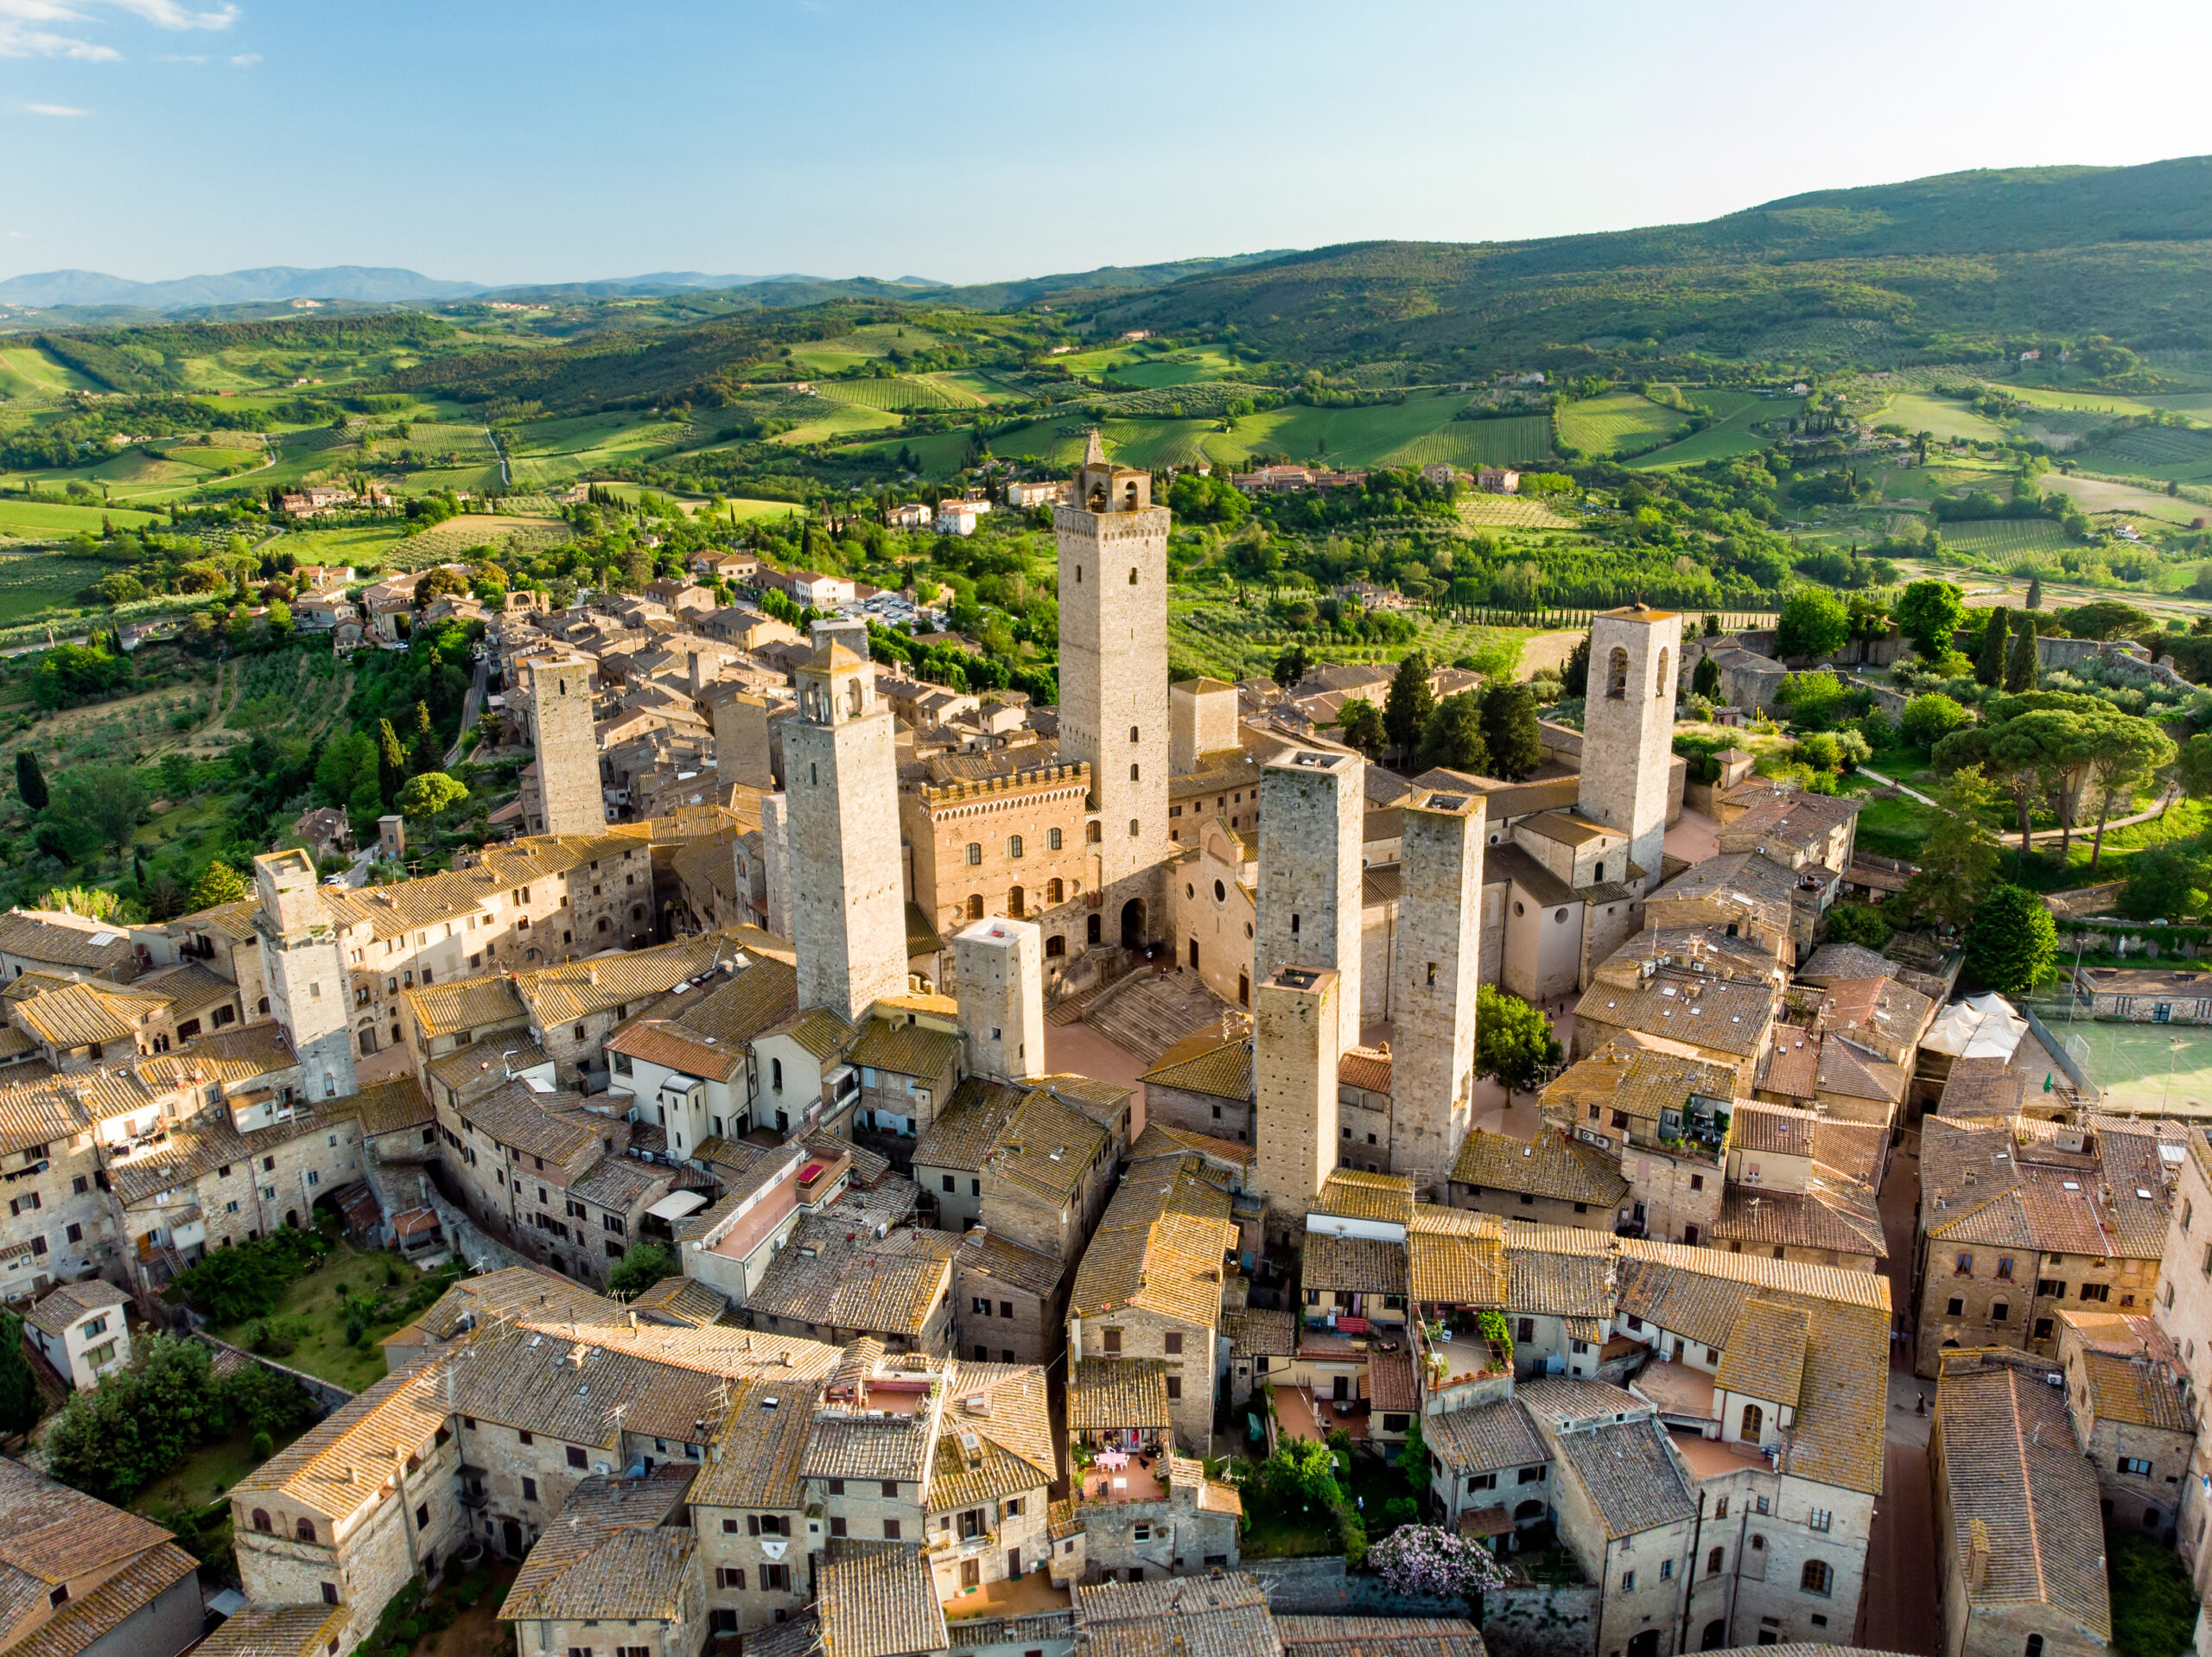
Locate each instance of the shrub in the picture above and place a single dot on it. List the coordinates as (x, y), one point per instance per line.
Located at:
(262, 1446)
(1858, 924)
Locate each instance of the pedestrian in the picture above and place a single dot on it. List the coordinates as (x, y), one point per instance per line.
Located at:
(1920, 1404)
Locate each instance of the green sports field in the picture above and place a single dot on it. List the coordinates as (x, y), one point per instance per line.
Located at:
(2138, 1067)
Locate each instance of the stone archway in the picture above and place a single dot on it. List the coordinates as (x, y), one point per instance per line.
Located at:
(1133, 923)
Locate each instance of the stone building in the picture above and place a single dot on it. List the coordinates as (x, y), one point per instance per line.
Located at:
(1312, 803)
(566, 741)
(1113, 594)
(621, 1554)
(2127, 1396)
(83, 1577)
(1010, 844)
(2182, 1311)
(1436, 956)
(1295, 1052)
(848, 907)
(1660, 1112)
(2019, 1540)
(1628, 728)
(1552, 1179)
(304, 969)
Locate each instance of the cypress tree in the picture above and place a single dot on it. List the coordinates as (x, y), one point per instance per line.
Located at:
(2021, 668)
(1510, 731)
(2034, 592)
(30, 781)
(1405, 712)
(391, 763)
(1989, 667)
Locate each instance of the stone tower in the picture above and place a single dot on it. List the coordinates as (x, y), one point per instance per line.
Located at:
(741, 725)
(776, 855)
(1294, 1053)
(1435, 964)
(999, 967)
(566, 746)
(1113, 550)
(1628, 725)
(1313, 814)
(310, 991)
(1201, 719)
(848, 909)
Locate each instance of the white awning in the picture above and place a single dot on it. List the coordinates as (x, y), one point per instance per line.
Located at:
(677, 1204)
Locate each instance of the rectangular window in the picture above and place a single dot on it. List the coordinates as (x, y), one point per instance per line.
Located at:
(891, 1488)
(1531, 1475)
(890, 1530)
(1174, 1387)
(836, 1528)
(1171, 1343)
(575, 1456)
(530, 1489)
(1820, 1519)
(1113, 1343)
(1628, 1582)
(2135, 1464)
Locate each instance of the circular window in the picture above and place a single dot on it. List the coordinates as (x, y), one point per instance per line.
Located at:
(1220, 892)
(1519, 908)
(1560, 917)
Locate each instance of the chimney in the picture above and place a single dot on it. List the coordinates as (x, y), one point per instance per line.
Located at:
(1977, 1556)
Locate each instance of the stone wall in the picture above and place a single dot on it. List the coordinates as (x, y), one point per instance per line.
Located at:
(1533, 1620)
(328, 1396)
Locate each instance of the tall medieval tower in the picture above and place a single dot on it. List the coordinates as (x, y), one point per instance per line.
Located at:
(999, 967)
(1627, 725)
(1294, 1054)
(567, 744)
(1434, 961)
(1313, 817)
(847, 904)
(310, 991)
(1113, 550)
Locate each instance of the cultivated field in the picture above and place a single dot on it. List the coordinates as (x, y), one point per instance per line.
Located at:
(2001, 537)
(1338, 437)
(1620, 420)
(26, 372)
(1730, 433)
(32, 520)
(1480, 511)
(1938, 416)
(1470, 443)
(444, 542)
(894, 393)
(837, 420)
(2099, 495)
(2163, 452)
(30, 582)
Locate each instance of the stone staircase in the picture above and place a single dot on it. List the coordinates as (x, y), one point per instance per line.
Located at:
(1146, 1014)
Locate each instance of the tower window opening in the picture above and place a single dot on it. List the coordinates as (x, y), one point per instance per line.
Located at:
(1617, 674)
(1132, 575)
(1133, 733)
(1294, 926)
(1660, 689)
(1133, 773)
(1078, 574)
(1092, 833)
(814, 776)
(1135, 830)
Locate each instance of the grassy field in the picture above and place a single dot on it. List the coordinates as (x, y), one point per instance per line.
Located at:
(2002, 536)
(27, 372)
(36, 520)
(2091, 403)
(1155, 443)
(312, 1312)
(208, 458)
(34, 582)
(1472, 443)
(2099, 496)
(1619, 419)
(838, 420)
(1730, 434)
(2162, 452)
(939, 454)
(365, 546)
(1939, 416)
(1183, 368)
(1340, 437)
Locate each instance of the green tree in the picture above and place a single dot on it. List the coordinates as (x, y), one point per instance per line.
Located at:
(2164, 882)
(1510, 731)
(218, 883)
(2107, 618)
(2125, 754)
(1930, 717)
(1359, 723)
(1513, 1040)
(1958, 857)
(1454, 736)
(2194, 770)
(391, 763)
(19, 1401)
(1815, 623)
(427, 793)
(2028, 756)
(98, 805)
(1704, 678)
(2021, 671)
(1406, 711)
(346, 759)
(2034, 592)
(30, 781)
(1930, 613)
(1291, 665)
(1859, 923)
(2011, 940)
(642, 1265)
(1989, 661)
(1574, 673)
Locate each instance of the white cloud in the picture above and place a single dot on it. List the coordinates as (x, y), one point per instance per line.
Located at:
(56, 109)
(27, 26)
(19, 236)
(246, 59)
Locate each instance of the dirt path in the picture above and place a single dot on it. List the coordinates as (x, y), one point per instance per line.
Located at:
(2042, 836)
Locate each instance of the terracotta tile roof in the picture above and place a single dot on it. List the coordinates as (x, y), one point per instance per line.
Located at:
(1456, 1265)
(463, 1005)
(54, 940)
(275, 1631)
(80, 1016)
(391, 1106)
(1858, 1072)
(621, 1183)
(1351, 1194)
(55, 1533)
(1159, 1139)
(1717, 1015)
(995, 1437)
(850, 1286)
(1991, 1184)
(876, 1599)
(1637, 1077)
(708, 1036)
(819, 1031)
(906, 1049)
(39, 1110)
(1982, 1087)
(1630, 1473)
(1833, 962)
(472, 1071)
(513, 1292)
(1224, 1615)
(1260, 1329)
(552, 1125)
(1368, 1068)
(85, 1622)
(1207, 1063)
(1161, 1245)
(755, 1460)
(1486, 1440)
(681, 1300)
(1558, 1272)
(318, 1469)
(1792, 1065)
(2016, 1490)
(1765, 1355)
(1391, 1381)
(1046, 1148)
(1383, 1636)
(1110, 1395)
(613, 1554)
(1832, 1213)
(1773, 1128)
(1551, 1165)
(72, 1303)
(1855, 1150)
(1353, 1264)
(557, 996)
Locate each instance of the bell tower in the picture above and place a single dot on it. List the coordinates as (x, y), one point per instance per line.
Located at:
(1113, 552)
(1628, 725)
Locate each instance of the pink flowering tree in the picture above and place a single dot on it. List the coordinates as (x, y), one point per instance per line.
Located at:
(1425, 1560)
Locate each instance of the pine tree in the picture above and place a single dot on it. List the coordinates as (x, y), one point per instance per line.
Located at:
(391, 763)
(1509, 732)
(1989, 666)
(2021, 667)
(1405, 712)
(30, 781)
(1704, 678)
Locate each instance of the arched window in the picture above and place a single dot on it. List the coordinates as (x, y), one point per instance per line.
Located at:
(261, 1518)
(1093, 833)
(1014, 846)
(976, 907)
(1616, 673)
(1055, 947)
(1714, 1562)
(1601, 874)
(2035, 1646)
(1817, 1578)
(1754, 1419)
(1015, 897)
(1052, 840)
(975, 851)
(306, 1529)
(1134, 829)
(1133, 568)
(1132, 774)
(1660, 689)
(1056, 891)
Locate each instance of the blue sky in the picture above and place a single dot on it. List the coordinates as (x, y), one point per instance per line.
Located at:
(502, 142)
